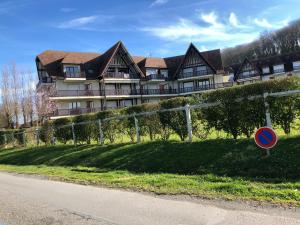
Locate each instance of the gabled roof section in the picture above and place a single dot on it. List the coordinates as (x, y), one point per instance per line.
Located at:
(79, 57)
(50, 56)
(110, 53)
(192, 46)
(246, 61)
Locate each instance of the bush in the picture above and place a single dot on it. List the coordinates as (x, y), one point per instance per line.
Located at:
(84, 128)
(62, 131)
(238, 115)
(111, 128)
(46, 133)
(176, 120)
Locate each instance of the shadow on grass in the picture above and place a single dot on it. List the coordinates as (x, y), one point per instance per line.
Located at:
(220, 157)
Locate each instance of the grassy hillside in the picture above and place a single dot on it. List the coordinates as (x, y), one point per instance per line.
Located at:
(215, 168)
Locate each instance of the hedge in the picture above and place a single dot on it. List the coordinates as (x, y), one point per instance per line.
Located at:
(237, 115)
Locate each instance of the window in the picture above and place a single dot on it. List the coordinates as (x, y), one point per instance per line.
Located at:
(72, 71)
(151, 71)
(203, 83)
(201, 70)
(296, 65)
(87, 87)
(90, 104)
(74, 105)
(266, 70)
(279, 68)
(164, 73)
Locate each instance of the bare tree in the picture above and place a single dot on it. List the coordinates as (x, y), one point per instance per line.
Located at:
(16, 89)
(6, 97)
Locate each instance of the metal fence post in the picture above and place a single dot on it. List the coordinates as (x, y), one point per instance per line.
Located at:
(189, 122)
(5, 141)
(13, 138)
(37, 137)
(267, 108)
(24, 138)
(268, 117)
(137, 129)
(73, 134)
(100, 133)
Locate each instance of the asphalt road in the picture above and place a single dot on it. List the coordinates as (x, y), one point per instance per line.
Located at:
(27, 200)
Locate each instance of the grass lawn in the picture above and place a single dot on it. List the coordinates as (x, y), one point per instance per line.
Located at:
(218, 168)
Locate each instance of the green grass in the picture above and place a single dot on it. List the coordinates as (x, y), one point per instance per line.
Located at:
(214, 169)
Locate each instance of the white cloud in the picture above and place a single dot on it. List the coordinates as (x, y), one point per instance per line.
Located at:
(159, 2)
(263, 23)
(211, 18)
(233, 20)
(78, 22)
(185, 30)
(211, 31)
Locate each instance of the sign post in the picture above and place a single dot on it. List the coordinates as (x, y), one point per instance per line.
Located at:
(266, 138)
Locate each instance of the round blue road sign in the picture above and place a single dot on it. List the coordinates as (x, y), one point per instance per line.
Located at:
(265, 137)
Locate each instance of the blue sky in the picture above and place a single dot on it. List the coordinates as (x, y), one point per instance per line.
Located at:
(147, 27)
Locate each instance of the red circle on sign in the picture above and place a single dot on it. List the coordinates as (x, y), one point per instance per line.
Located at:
(265, 137)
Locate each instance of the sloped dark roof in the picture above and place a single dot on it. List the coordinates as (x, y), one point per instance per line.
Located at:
(50, 56)
(107, 56)
(214, 58)
(99, 62)
(173, 64)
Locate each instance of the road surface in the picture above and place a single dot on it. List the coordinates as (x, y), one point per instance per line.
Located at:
(28, 200)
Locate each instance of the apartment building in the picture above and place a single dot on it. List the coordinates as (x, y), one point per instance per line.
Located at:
(273, 67)
(89, 82)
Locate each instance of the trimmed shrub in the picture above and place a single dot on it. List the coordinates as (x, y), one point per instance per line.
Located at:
(46, 133)
(62, 132)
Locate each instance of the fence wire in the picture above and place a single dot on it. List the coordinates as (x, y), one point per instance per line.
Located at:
(181, 122)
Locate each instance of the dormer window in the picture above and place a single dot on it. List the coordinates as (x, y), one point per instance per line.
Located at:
(266, 70)
(279, 68)
(164, 73)
(72, 71)
(151, 71)
(296, 65)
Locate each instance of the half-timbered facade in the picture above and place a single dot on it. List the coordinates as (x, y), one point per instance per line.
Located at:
(89, 82)
(273, 67)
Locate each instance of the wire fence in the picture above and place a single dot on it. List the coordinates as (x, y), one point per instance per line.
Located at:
(163, 124)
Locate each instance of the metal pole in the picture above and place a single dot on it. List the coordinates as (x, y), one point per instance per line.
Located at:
(137, 129)
(73, 133)
(267, 108)
(100, 133)
(24, 139)
(13, 138)
(268, 117)
(189, 122)
(5, 141)
(37, 137)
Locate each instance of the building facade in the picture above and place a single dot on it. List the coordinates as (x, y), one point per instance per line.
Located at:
(89, 82)
(262, 69)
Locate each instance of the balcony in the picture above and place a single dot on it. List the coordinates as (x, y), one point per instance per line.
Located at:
(195, 74)
(279, 71)
(70, 112)
(200, 88)
(119, 75)
(45, 80)
(159, 91)
(76, 93)
(296, 68)
(122, 92)
(154, 77)
(75, 75)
